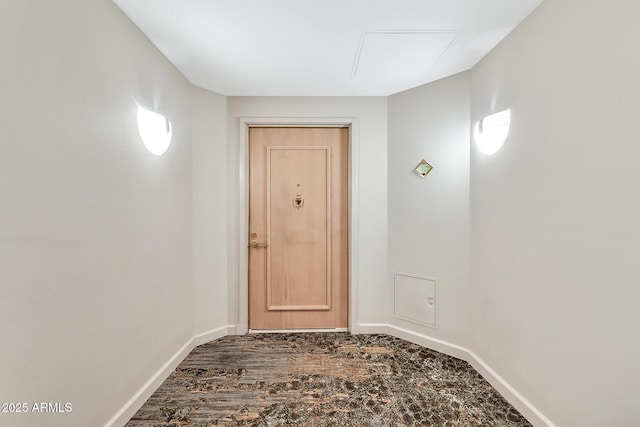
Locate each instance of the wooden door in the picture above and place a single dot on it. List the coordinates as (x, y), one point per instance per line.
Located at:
(298, 232)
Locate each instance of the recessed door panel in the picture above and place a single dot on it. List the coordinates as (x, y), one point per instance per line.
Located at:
(298, 228)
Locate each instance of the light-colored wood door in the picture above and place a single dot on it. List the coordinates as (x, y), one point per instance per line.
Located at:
(298, 228)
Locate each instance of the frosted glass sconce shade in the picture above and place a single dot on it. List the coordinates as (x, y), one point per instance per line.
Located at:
(155, 131)
(491, 132)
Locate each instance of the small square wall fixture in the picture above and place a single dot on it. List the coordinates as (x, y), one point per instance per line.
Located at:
(423, 168)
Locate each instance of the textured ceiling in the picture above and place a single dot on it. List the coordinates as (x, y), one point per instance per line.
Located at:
(323, 48)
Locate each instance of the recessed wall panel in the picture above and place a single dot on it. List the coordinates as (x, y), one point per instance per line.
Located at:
(414, 298)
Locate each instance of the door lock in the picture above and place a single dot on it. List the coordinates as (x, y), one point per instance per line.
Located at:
(298, 201)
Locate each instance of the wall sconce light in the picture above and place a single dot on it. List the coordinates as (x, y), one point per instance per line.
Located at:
(491, 132)
(155, 131)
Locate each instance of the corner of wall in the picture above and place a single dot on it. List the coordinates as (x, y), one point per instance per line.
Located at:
(210, 231)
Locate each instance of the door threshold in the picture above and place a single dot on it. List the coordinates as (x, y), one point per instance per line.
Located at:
(295, 331)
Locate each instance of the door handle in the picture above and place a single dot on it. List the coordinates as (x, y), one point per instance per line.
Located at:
(254, 242)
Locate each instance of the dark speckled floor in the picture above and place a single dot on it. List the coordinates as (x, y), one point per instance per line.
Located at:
(323, 379)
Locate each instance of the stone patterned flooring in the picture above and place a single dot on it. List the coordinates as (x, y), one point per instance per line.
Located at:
(323, 379)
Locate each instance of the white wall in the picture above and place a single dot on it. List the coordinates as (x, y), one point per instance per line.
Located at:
(555, 214)
(210, 190)
(371, 113)
(96, 258)
(429, 218)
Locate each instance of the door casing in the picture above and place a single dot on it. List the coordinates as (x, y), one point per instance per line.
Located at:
(244, 123)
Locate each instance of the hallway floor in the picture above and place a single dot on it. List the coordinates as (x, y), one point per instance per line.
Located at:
(323, 379)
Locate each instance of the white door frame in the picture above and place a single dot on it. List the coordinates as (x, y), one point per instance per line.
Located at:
(243, 209)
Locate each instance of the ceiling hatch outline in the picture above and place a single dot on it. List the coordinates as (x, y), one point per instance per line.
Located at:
(455, 36)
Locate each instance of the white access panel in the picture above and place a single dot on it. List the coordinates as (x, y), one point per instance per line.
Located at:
(414, 298)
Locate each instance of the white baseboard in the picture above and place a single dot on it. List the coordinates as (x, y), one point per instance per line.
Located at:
(416, 338)
(214, 334)
(371, 328)
(431, 343)
(131, 407)
(519, 402)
